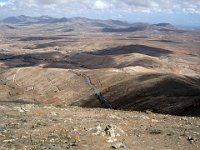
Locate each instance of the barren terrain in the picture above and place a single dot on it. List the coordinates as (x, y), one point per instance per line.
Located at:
(70, 70)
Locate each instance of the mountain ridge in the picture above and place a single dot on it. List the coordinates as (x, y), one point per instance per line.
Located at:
(49, 19)
(109, 25)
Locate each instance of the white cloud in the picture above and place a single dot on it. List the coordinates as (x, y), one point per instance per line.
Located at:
(2, 4)
(39, 7)
(100, 5)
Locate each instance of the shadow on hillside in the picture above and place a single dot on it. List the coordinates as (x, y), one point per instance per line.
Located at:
(137, 37)
(166, 41)
(142, 49)
(128, 29)
(48, 60)
(38, 38)
(91, 60)
(171, 95)
(172, 30)
(104, 58)
(50, 44)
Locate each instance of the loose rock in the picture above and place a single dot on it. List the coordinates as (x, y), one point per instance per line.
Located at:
(190, 139)
(117, 145)
(110, 131)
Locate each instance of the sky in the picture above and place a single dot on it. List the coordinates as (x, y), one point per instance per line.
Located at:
(177, 12)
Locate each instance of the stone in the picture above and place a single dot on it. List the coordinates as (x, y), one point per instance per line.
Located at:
(154, 120)
(111, 140)
(117, 145)
(98, 130)
(114, 117)
(110, 131)
(9, 141)
(155, 131)
(148, 112)
(113, 131)
(190, 139)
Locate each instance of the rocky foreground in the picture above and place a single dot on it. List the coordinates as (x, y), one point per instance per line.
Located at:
(47, 127)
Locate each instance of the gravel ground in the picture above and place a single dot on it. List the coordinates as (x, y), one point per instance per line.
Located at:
(48, 127)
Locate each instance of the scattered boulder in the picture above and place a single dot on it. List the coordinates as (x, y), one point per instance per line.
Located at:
(154, 130)
(111, 140)
(117, 145)
(110, 131)
(190, 139)
(98, 130)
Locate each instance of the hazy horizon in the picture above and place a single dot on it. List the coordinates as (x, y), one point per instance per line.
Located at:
(177, 12)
